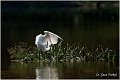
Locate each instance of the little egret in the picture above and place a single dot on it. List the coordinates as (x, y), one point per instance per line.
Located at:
(44, 42)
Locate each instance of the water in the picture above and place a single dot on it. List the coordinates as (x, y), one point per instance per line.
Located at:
(95, 27)
(61, 70)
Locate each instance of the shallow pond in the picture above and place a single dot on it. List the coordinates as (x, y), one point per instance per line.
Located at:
(60, 70)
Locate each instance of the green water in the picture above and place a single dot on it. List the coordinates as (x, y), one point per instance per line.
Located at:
(59, 70)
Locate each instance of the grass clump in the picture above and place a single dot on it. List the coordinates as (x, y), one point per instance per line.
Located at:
(76, 52)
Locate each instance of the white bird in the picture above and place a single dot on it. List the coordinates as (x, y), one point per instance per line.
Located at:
(44, 42)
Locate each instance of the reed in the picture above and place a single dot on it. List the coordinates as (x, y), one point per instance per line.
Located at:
(76, 52)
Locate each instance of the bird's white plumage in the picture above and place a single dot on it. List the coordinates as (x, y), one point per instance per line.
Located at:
(44, 41)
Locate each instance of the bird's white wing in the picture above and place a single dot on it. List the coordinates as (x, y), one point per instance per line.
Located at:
(53, 37)
(36, 39)
(39, 39)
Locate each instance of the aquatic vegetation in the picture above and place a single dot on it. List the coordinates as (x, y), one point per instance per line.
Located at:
(75, 52)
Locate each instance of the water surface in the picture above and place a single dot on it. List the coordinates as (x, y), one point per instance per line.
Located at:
(59, 70)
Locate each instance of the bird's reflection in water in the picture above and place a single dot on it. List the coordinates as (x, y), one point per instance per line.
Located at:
(46, 73)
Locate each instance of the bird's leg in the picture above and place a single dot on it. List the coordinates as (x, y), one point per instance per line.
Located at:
(43, 56)
(39, 57)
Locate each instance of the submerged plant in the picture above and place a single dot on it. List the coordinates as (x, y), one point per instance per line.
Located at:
(76, 52)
